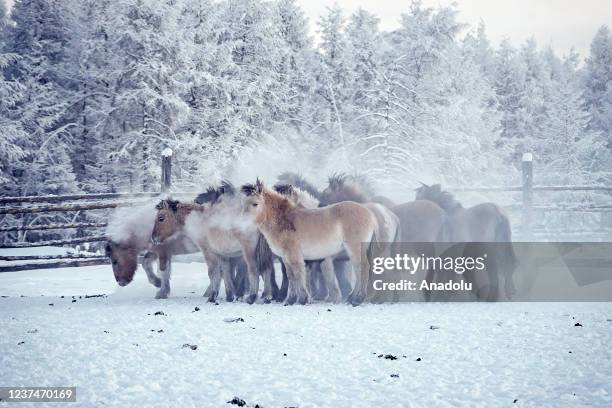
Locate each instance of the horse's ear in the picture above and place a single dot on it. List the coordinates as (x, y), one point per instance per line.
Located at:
(173, 204)
(259, 186)
(160, 205)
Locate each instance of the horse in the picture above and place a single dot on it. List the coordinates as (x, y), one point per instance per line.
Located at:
(315, 278)
(128, 235)
(481, 223)
(263, 254)
(296, 180)
(419, 222)
(297, 234)
(216, 229)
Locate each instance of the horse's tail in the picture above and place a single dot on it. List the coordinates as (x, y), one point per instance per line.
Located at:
(506, 259)
(265, 261)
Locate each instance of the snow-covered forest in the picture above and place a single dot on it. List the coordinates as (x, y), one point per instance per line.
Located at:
(91, 91)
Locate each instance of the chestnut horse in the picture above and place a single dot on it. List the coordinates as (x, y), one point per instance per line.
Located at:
(296, 234)
(129, 235)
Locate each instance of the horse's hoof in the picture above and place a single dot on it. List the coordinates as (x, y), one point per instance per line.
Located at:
(213, 297)
(251, 299)
(161, 295)
(303, 300)
(267, 300)
(229, 298)
(290, 301)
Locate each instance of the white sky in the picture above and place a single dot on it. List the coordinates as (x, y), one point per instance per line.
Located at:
(560, 23)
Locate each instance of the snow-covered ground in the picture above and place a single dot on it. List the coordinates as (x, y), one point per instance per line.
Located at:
(118, 352)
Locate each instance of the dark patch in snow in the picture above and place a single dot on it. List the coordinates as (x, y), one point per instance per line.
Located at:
(61, 297)
(515, 401)
(387, 356)
(160, 331)
(160, 313)
(233, 320)
(237, 401)
(577, 325)
(432, 327)
(20, 343)
(418, 359)
(394, 375)
(284, 354)
(329, 310)
(196, 309)
(94, 296)
(106, 331)
(50, 304)
(191, 346)
(73, 300)
(33, 331)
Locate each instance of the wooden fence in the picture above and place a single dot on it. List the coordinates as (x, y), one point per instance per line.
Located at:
(86, 202)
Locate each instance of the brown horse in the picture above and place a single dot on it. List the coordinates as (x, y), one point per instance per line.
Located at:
(481, 223)
(129, 235)
(297, 234)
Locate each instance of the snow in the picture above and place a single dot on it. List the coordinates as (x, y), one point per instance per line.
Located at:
(167, 152)
(319, 355)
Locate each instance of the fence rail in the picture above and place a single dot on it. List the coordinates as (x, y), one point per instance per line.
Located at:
(88, 202)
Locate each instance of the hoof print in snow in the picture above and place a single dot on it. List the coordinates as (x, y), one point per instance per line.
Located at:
(20, 343)
(160, 313)
(432, 327)
(196, 309)
(577, 325)
(237, 401)
(191, 346)
(233, 320)
(387, 356)
(418, 359)
(394, 375)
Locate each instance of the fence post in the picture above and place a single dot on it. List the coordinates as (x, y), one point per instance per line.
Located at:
(527, 166)
(166, 170)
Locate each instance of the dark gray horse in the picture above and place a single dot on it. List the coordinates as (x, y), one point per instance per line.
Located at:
(481, 223)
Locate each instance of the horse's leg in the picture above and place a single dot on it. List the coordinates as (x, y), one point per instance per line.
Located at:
(322, 290)
(361, 270)
(240, 277)
(268, 293)
(291, 287)
(275, 289)
(284, 289)
(147, 265)
(340, 268)
(333, 291)
(252, 273)
(295, 262)
(226, 271)
(165, 267)
(214, 275)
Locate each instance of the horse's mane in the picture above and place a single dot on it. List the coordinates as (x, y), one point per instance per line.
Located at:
(300, 182)
(213, 193)
(128, 223)
(297, 195)
(353, 187)
(443, 198)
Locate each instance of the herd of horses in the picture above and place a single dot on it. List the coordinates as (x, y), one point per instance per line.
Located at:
(319, 236)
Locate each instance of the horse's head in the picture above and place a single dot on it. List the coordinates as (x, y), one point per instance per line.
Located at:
(167, 222)
(426, 192)
(254, 204)
(124, 260)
